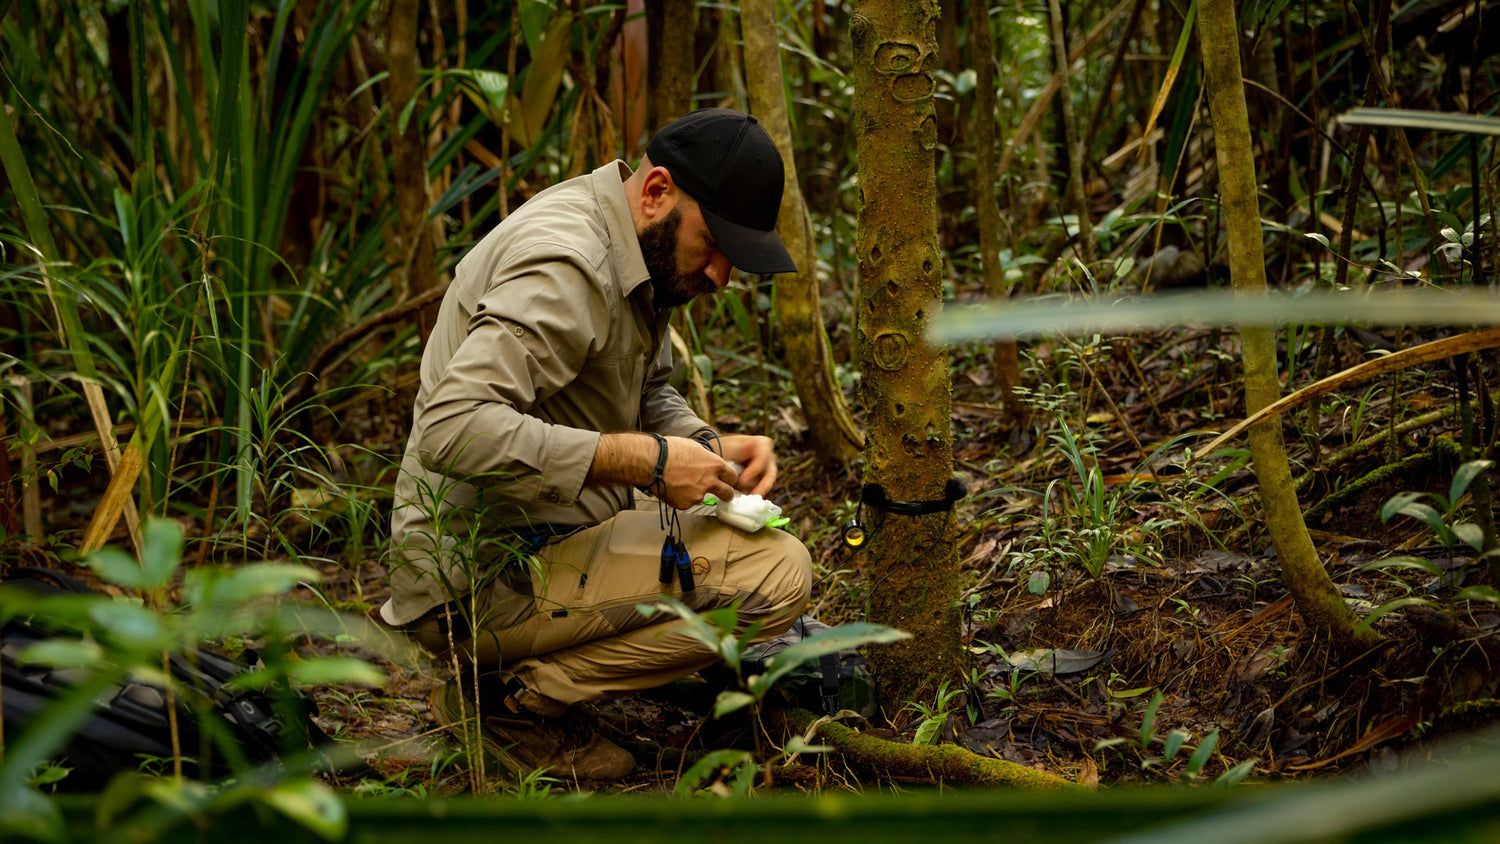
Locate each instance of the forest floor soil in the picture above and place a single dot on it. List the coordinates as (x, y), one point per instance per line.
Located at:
(1185, 640)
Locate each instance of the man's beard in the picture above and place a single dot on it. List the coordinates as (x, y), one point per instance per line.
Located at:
(659, 248)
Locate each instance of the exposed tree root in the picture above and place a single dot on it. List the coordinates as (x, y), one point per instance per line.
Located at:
(947, 764)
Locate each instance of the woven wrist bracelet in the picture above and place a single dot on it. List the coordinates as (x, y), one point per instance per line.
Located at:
(661, 460)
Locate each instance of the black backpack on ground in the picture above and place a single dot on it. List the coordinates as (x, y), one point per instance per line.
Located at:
(131, 723)
(838, 681)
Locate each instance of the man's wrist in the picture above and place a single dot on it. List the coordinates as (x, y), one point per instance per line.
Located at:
(661, 462)
(625, 458)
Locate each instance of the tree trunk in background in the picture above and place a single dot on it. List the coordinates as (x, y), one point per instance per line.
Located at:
(413, 253)
(905, 385)
(1318, 601)
(670, 27)
(729, 62)
(1007, 360)
(1074, 192)
(628, 98)
(799, 311)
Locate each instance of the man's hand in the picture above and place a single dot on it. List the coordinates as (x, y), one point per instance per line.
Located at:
(692, 471)
(757, 455)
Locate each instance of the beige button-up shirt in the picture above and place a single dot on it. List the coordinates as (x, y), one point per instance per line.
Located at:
(545, 339)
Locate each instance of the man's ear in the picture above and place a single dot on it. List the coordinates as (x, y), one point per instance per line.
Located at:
(658, 193)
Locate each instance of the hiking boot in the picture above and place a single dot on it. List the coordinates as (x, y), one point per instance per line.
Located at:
(524, 741)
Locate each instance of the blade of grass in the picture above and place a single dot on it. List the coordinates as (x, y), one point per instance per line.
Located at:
(24, 189)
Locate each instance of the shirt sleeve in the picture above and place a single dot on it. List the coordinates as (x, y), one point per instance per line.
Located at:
(663, 409)
(529, 336)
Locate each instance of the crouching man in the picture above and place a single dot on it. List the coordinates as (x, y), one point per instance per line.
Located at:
(543, 418)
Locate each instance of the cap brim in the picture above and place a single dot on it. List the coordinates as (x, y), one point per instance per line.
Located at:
(749, 250)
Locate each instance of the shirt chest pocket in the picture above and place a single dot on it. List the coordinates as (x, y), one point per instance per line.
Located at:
(608, 389)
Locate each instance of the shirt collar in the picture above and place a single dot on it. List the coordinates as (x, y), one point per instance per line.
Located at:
(625, 247)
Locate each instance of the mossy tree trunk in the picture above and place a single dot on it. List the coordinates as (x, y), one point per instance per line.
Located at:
(670, 27)
(799, 311)
(1318, 601)
(905, 386)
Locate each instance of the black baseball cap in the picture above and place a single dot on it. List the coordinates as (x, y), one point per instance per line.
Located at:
(725, 160)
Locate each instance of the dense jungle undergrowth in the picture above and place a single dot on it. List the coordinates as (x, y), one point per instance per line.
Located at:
(219, 252)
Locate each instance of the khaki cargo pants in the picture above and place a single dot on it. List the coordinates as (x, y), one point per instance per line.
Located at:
(582, 637)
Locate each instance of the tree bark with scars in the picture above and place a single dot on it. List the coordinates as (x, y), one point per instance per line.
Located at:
(905, 384)
(1318, 601)
(799, 311)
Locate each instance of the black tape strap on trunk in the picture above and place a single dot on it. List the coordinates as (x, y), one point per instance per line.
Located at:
(953, 492)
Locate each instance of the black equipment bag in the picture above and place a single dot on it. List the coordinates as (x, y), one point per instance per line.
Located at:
(836, 682)
(131, 723)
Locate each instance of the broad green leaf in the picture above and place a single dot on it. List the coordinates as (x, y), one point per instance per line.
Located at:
(694, 625)
(1424, 514)
(731, 701)
(331, 670)
(1479, 593)
(130, 625)
(240, 586)
(544, 73)
(117, 567)
(534, 15)
(122, 792)
(1416, 563)
(723, 619)
(830, 641)
(188, 797)
(1232, 777)
(318, 621)
(729, 649)
(1148, 721)
(315, 806)
(486, 89)
(1173, 743)
(1038, 582)
(749, 635)
(28, 815)
(161, 551)
(1388, 607)
(63, 653)
(66, 610)
(710, 765)
(1469, 534)
(930, 730)
(1465, 476)
(50, 774)
(1323, 239)
(1201, 756)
